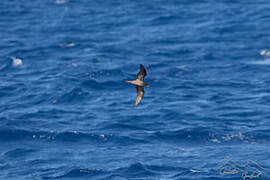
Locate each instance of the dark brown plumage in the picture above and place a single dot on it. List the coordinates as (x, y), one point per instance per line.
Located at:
(142, 73)
(140, 94)
(139, 82)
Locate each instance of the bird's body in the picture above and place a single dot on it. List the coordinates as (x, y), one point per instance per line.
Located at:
(139, 82)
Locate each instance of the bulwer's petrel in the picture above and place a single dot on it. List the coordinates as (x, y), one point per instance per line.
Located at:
(139, 82)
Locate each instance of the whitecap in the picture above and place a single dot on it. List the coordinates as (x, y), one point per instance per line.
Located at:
(74, 64)
(16, 62)
(60, 1)
(68, 45)
(266, 58)
(265, 53)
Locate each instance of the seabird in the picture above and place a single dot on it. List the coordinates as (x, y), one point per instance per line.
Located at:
(139, 82)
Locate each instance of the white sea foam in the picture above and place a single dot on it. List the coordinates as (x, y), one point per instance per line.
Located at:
(60, 1)
(16, 62)
(74, 64)
(266, 58)
(68, 45)
(265, 52)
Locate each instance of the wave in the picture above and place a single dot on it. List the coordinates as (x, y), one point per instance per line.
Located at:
(19, 152)
(198, 135)
(107, 85)
(138, 170)
(82, 173)
(205, 136)
(10, 135)
(73, 96)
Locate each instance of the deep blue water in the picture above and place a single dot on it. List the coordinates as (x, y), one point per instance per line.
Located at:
(67, 113)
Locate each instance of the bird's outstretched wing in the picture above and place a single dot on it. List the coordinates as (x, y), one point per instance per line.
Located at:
(140, 93)
(142, 73)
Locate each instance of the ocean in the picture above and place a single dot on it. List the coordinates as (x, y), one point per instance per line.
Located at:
(66, 111)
